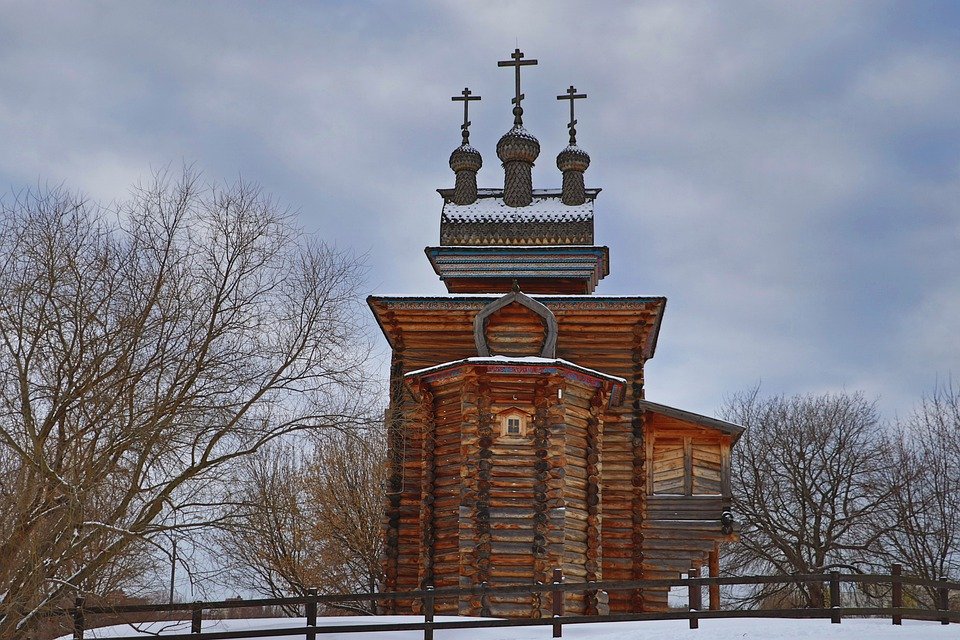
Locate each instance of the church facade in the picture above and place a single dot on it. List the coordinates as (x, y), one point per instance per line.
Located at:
(520, 436)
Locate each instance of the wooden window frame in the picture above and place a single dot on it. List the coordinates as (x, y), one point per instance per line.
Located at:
(513, 414)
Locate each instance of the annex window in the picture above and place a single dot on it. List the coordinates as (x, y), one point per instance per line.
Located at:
(687, 466)
(513, 424)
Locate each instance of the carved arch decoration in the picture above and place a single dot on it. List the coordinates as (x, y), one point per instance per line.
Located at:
(549, 349)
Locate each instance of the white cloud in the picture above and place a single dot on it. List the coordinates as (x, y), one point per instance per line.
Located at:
(786, 173)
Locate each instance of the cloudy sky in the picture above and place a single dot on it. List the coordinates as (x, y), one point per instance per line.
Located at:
(787, 174)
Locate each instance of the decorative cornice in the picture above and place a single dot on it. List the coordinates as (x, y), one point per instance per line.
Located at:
(491, 221)
(586, 264)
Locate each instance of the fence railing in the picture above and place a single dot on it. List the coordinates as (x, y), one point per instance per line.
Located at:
(694, 584)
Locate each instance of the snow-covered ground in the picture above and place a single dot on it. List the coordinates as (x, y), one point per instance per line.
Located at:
(744, 629)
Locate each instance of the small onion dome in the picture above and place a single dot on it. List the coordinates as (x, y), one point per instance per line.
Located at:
(465, 161)
(518, 145)
(573, 161)
(573, 158)
(465, 158)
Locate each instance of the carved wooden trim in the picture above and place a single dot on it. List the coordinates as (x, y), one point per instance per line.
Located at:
(549, 349)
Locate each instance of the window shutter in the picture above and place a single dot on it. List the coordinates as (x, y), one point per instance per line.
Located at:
(706, 468)
(668, 466)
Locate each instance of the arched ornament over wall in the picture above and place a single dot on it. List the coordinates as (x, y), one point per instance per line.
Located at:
(549, 349)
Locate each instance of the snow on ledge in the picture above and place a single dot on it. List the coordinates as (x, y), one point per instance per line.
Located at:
(519, 361)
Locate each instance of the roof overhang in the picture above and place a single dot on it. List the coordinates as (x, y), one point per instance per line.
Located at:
(728, 428)
(393, 312)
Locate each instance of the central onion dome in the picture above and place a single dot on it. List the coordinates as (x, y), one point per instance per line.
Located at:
(518, 150)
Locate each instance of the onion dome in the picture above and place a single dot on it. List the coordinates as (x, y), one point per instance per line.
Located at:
(573, 161)
(466, 158)
(518, 145)
(465, 162)
(518, 150)
(573, 158)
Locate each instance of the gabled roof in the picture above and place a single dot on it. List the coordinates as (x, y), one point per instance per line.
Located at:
(427, 319)
(729, 428)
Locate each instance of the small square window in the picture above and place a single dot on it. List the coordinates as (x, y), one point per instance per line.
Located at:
(513, 425)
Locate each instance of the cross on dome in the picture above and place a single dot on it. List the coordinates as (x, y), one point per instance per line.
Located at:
(465, 97)
(516, 62)
(572, 95)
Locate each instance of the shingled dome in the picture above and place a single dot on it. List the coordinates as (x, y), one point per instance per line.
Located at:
(573, 161)
(518, 145)
(518, 150)
(465, 158)
(465, 162)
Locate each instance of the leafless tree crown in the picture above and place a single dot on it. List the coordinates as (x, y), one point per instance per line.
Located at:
(810, 485)
(143, 351)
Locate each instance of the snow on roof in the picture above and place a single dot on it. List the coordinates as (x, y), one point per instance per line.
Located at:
(519, 361)
(490, 207)
(494, 296)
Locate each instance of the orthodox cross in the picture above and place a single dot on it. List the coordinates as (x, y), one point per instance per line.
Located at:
(516, 62)
(465, 99)
(572, 95)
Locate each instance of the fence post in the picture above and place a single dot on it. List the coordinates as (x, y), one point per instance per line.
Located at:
(556, 600)
(895, 572)
(835, 597)
(944, 594)
(196, 618)
(428, 613)
(79, 621)
(693, 596)
(311, 611)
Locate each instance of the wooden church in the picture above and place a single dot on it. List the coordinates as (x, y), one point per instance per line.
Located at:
(520, 438)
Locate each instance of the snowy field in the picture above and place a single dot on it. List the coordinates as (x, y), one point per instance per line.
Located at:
(744, 629)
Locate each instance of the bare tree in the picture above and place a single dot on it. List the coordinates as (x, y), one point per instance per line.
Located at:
(927, 497)
(143, 352)
(347, 480)
(811, 489)
(311, 520)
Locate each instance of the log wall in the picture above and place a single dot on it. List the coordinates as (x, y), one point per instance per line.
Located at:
(529, 501)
